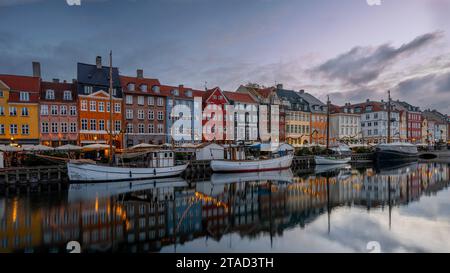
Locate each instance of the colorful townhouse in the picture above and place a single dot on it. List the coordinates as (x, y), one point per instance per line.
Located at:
(247, 118)
(425, 133)
(94, 105)
(145, 110)
(374, 121)
(437, 126)
(267, 96)
(318, 122)
(19, 103)
(298, 116)
(213, 105)
(58, 113)
(180, 95)
(345, 125)
(412, 118)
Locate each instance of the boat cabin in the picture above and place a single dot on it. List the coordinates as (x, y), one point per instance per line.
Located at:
(161, 159)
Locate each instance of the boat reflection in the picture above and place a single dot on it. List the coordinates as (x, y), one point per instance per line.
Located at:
(153, 216)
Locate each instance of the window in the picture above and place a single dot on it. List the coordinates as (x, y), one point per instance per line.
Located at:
(49, 94)
(12, 111)
(369, 132)
(141, 128)
(44, 109)
(129, 99)
(108, 107)
(54, 126)
(73, 127)
(150, 100)
(129, 114)
(2, 129)
(367, 116)
(141, 100)
(101, 106)
(83, 105)
(87, 89)
(160, 101)
(1, 94)
(114, 91)
(151, 115)
(101, 125)
(24, 96)
(375, 132)
(24, 112)
(131, 86)
(160, 115)
(67, 95)
(73, 110)
(2, 111)
(44, 127)
(93, 125)
(188, 93)
(140, 114)
(117, 107)
(13, 129)
(92, 106)
(143, 87)
(117, 125)
(63, 110)
(54, 109)
(155, 89)
(129, 128)
(151, 129)
(160, 129)
(84, 124)
(375, 116)
(64, 127)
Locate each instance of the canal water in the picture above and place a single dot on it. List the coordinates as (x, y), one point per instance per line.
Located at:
(344, 209)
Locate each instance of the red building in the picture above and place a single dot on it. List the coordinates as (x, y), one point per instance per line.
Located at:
(413, 120)
(214, 115)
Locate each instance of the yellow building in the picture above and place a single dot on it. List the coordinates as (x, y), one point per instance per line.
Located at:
(19, 104)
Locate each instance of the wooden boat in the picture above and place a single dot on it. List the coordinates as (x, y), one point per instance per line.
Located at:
(331, 160)
(159, 164)
(258, 165)
(396, 152)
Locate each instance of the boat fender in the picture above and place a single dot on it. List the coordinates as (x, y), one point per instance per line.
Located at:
(154, 171)
(130, 174)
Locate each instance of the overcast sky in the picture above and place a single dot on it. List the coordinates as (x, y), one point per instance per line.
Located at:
(345, 48)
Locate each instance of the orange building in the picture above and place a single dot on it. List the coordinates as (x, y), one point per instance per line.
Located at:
(94, 105)
(318, 127)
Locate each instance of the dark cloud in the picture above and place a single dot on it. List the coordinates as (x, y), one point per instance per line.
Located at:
(362, 65)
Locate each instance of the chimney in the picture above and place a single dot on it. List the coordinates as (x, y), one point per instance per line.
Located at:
(56, 80)
(36, 69)
(368, 100)
(180, 87)
(64, 81)
(98, 62)
(302, 91)
(280, 86)
(382, 101)
(140, 73)
(74, 80)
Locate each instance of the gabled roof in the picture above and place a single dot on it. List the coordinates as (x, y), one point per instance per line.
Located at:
(166, 90)
(239, 97)
(376, 106)
(125, 80)
(90, 74)
(297, 103)
(22, 83)
(313, 101)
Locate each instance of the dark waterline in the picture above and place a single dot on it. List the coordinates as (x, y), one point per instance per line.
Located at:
(403, 209)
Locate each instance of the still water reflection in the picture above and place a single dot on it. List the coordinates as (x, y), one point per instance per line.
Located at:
(405, 209)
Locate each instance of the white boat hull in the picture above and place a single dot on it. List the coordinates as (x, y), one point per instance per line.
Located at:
(273, 164)
(91, 172)
(323, 160)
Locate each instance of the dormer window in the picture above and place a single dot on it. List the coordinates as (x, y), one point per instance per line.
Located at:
(188, 93)
(131, 86)
(50, 94)
(67, 95)
(143, 87)
(87, 89)
(175, 92)
(155, 89)
(369, 108)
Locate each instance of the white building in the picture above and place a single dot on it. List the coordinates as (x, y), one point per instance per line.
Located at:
(345, 125)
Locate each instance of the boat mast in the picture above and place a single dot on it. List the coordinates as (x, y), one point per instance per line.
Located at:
(328, 122)
(111, 108)
(389, 117)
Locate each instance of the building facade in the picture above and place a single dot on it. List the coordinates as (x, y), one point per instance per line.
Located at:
(145, 110)
(58, 113)
(247, 118)
(298, 117)
(374, 122)
(94, 105)
(412, 118)
(345, 125)
(19, 114)
(318, 118)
